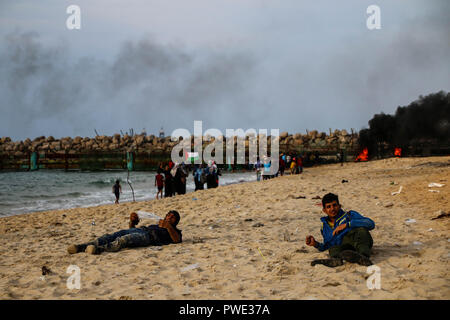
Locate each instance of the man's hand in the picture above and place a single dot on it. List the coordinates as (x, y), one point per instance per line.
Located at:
(339, 228)
(310, 241)
(134, 219)
(164, 224)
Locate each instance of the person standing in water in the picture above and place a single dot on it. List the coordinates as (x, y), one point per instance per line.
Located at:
(117, 190)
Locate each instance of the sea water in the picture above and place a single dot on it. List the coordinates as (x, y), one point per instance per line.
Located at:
(42, 190)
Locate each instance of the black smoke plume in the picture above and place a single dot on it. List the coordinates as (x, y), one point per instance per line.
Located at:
(422, 126)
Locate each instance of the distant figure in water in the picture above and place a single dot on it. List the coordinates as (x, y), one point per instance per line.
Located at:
(117, 190)
(159, 182)
(165, 232)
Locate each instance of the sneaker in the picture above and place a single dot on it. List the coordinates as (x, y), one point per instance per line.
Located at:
(333, 262)
(75, 248)
(355, 257)
(92, 249)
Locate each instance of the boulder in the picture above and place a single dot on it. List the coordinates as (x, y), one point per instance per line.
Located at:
(77, 140)
(284, 134)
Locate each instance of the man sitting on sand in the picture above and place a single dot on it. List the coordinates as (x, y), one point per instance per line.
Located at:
(345, 234)
(165, 232)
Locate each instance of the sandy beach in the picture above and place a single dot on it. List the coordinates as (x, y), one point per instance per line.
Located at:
(247, 241)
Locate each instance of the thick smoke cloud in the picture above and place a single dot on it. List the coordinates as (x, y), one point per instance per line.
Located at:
(295, 66)
(424, 122)
(41, 86)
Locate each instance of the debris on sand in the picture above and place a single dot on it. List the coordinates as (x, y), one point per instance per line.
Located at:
(46, 271)
(257, 225)
(441, 214)
(435, 185)
(397, 192)
(408, 221)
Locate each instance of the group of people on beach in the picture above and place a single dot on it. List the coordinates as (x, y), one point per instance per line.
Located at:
(173, 177)
(345, 235)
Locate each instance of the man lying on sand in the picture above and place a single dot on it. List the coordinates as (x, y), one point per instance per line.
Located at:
(345, 234)
(165, 232)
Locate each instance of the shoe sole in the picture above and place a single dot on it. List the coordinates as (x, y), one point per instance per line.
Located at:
(355, 257)
(72, 249)
(91, 249)
(328, 262)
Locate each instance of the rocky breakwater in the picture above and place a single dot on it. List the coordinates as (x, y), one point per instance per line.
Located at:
(312, 140)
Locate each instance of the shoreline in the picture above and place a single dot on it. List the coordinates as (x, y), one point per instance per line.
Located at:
(233, 257)
(126, 197)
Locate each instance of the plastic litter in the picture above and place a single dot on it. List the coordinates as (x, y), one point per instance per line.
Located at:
(148, 215)
(190, 267)
(437, 185)
(397, 192)
(410, 221)
(194, 198)
(417, 243)
(437, 191)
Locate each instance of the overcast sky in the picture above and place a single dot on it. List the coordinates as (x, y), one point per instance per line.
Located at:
(287, 64)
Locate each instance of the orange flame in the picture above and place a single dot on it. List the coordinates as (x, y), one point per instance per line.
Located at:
(398, 152)
(363, 156)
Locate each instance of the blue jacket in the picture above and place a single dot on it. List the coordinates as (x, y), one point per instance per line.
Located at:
(353, 220)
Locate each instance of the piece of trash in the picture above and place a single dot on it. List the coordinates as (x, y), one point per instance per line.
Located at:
(261, 254)
(190, 267)
(248, 219)
(237, 206)
(344, 181)
(286, 235)
(257, 225)
(392, 183)
(437, 191)
(300, 197)
(234, 265)
(417, 243)
(148, 215)
(410, 221)
(388, 205)
(296, 230)
(194, 198)
(197, 240)
(93, 222)
(42, 278)
(397, 192)
(46, 271)
(441, 214)
(437, 185)
(214, 226)
(431, 229)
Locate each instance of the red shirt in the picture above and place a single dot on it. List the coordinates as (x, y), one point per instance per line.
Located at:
(159, 180)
